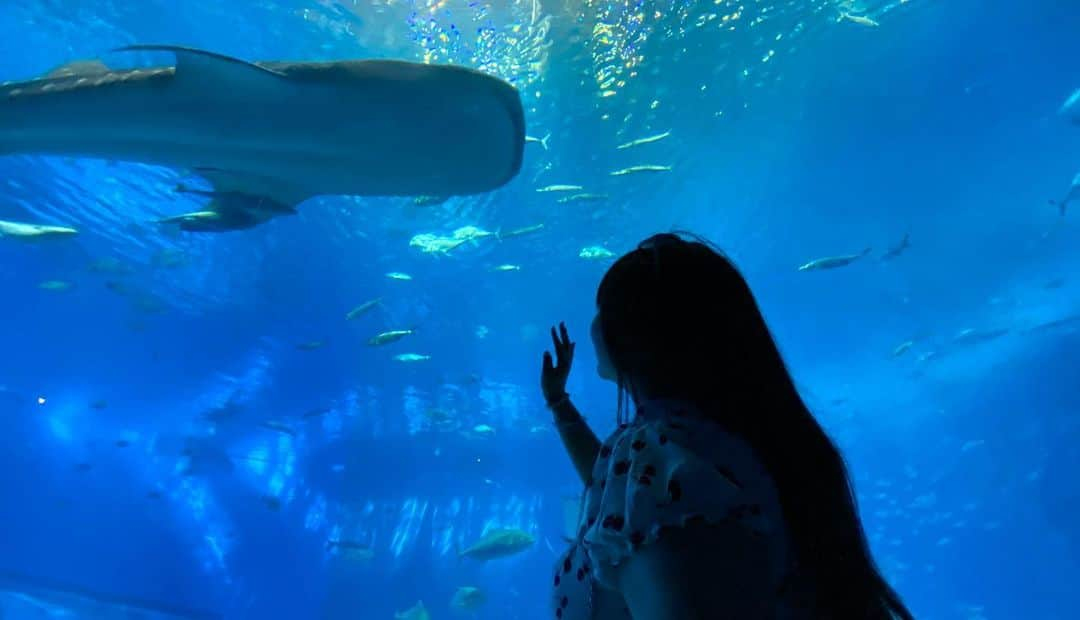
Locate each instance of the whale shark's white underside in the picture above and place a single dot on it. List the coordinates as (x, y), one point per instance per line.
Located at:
(286, 131)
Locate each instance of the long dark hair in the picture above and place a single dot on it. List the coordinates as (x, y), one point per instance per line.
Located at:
(678, 320)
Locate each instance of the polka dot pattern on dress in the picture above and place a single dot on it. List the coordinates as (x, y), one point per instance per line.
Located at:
(666, 468)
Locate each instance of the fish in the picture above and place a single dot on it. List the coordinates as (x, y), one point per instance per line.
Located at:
(902, 348)
(110, 265)
(434, 244)
(411, 357)
(148, 303)
(484, 430)
(416, 612)
(397, 275)
(34, 232)
(498, 543)
(560, 188)
(282, 130)
(227, 210)
(278, 427)
(214, 221)
(363, 309)
(832, 262)
(237, 200)
(316, 413)
(170, 259)
(641, 168)
(468, 598)
(355, 549)
(595, 252)
(520, 232)
(897, 249)
(56, 286)
(971, 336)
(583, 198)
(438, 416)
(429, 201)
(1070, 196)
(471, 233)
(204, 457)
(1067, 321)
(507, 268)
(541, 141)
(389, 337)
(647, 140)
(310, 345)
(1071, 107)
(861, 20)
(120, 288)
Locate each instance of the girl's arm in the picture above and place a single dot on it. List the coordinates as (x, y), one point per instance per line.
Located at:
(578, 439)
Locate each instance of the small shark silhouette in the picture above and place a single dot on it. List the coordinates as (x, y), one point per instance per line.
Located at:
(1071, 196)
(898, 249)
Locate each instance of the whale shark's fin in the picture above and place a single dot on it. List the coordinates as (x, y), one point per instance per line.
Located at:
(213, 68)
(280, 198)
(239, 211)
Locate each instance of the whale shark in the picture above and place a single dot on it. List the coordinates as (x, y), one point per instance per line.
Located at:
(268, 135)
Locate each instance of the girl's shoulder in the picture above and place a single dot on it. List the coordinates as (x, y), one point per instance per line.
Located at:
(669, 466)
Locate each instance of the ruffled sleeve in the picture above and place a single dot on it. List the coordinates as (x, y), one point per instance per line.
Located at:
(667, 468)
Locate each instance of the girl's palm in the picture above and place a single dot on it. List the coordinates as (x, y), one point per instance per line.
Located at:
(554, 375)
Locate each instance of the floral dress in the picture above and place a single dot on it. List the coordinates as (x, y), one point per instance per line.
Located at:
(668, 466)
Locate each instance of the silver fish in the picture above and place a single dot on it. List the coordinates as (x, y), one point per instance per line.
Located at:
(641, 168)
(582, 198)
(543, 142)
(647, 140)
(363, 309)
(35, 232)
(388, 337)
(520, 232)
(560, 188)
(832, 262)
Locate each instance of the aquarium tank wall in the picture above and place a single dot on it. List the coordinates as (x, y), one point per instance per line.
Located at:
(324, 403)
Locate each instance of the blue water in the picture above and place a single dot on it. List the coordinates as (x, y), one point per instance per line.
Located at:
(793, 136)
